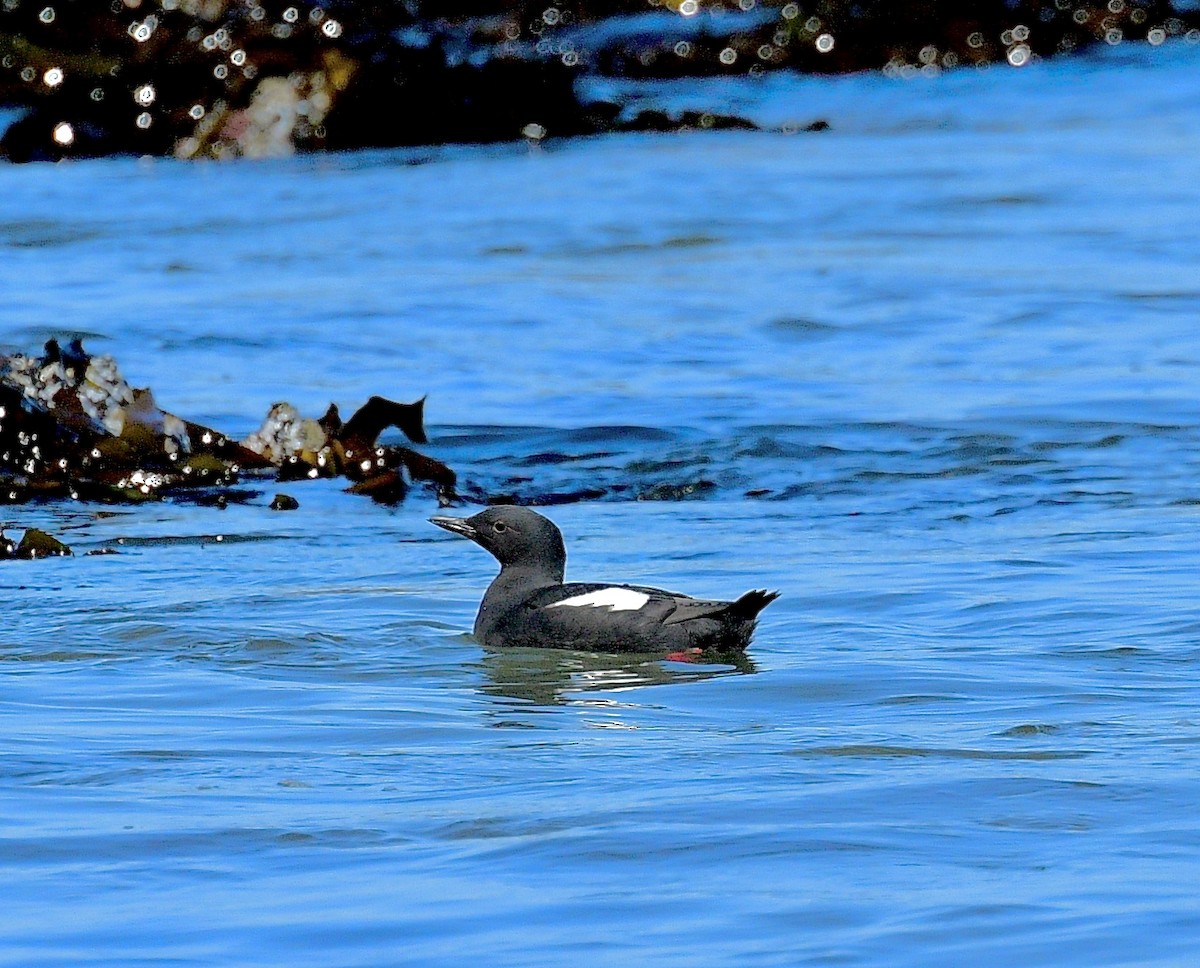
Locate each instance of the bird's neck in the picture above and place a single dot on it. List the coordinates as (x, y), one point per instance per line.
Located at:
(515, 583)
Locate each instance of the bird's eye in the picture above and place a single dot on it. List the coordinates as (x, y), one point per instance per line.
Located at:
(499, 527)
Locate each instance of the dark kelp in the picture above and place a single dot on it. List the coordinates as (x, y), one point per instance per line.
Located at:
(305, 448)
(72, 427)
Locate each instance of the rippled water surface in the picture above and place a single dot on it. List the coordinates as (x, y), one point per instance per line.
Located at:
(932, 373)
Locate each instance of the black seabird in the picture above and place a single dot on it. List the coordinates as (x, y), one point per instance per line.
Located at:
(529, 605)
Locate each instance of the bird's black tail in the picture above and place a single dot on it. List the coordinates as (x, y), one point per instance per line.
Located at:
(749, 605)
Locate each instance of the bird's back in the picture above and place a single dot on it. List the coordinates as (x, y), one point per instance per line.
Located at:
(626, 618)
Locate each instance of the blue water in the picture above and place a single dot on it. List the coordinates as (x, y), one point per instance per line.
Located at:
(931, 373)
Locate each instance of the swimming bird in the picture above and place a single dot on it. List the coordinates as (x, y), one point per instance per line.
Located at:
(528, 604)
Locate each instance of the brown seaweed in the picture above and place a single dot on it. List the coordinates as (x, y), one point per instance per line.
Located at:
(376, 415)
(71, 427)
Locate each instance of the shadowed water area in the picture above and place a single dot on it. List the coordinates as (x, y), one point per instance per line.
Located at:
(931, 373)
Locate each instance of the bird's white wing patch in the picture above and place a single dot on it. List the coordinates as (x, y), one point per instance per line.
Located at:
(616, 599)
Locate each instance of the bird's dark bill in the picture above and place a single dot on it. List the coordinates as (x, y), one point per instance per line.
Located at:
(457, 525)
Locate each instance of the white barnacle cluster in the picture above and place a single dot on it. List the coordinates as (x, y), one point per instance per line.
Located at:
(281, 110)
(39, 383)
(175, 436)
(271, 119)
(101, 390)
(285, 434)
(143, 481)
(144, 413)
(104, 394)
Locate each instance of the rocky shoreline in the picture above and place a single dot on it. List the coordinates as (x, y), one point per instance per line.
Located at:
(71, 427)
(256, 78)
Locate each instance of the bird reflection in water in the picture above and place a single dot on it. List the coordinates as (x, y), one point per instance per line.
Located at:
(553, 677)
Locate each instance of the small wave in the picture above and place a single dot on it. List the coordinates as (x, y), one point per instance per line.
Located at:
(872, 751)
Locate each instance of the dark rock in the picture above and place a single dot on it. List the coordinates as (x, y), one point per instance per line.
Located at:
(655, 120)
(214, 79)
(216, 498)
(71, 427)
(284, 502)
(676, 492)
(34, 544)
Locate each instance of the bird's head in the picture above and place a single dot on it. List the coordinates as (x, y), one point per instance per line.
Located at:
(517, 537)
